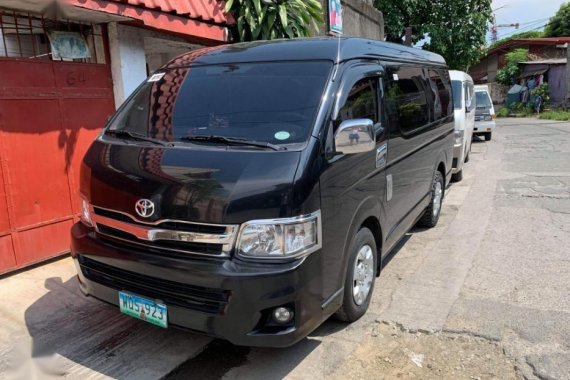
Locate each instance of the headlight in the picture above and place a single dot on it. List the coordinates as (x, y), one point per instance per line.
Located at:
(489, 118)
(459, 137)
(86, 213)
(280, 238)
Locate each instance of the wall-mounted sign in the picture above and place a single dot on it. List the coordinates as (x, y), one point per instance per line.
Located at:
(68, 45)
(335, 17)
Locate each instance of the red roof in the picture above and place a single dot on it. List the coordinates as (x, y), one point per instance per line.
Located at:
(202, 21)
(530, 41)
(205, 10)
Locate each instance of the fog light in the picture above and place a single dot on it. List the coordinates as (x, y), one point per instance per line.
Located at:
(283, 315)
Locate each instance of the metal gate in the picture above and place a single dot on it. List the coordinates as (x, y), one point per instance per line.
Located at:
(50, 112)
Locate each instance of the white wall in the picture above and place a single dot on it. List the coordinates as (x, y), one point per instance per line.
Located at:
(128, 61)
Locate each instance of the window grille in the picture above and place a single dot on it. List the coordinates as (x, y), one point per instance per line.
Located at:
(25, 35)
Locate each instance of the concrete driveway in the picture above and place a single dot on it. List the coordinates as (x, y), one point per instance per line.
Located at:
(484, 295)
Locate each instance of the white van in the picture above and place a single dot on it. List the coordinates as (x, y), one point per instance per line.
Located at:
(464, 102)
(485, 114)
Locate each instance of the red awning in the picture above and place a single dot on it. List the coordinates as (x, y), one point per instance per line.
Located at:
(202, 20)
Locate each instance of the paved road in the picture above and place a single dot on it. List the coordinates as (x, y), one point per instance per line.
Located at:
(486, 294)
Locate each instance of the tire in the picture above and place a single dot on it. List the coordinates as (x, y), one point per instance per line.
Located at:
(355, 303)
(488, 136)
(431, 215)
(457, 177)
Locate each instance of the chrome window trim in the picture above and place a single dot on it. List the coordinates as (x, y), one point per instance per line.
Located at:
(285, 221)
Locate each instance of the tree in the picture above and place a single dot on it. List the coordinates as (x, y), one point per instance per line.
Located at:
(454, 29)
(399, 15)
(271, 19)
(559, 25)
(509, 74)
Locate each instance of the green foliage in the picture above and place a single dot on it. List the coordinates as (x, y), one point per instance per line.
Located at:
(559, 25)
(521, 109)
(535, 34)
(555, 115)
(456, 28)
(510, 73)
(544, 91)
(504, 112)
(272, 19)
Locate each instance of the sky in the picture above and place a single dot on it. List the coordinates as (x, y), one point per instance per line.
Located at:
(531, 14)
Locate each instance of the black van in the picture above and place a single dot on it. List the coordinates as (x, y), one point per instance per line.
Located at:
(251, 191)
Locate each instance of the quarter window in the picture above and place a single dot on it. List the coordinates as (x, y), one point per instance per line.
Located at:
(441, 94)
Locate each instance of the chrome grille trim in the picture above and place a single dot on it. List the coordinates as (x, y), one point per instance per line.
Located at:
(151, 232)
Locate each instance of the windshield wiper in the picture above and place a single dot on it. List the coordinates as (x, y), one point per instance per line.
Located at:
(232, 141)
(134, 136)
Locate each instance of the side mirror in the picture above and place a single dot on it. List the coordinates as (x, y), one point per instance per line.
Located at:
(355, 136)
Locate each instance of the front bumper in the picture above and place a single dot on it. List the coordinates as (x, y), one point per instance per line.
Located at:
(482, 127)
(228, 299)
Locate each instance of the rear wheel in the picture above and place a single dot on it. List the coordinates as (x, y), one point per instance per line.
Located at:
(431, 215)
(488, 136)
(360, 276)
(457, 177)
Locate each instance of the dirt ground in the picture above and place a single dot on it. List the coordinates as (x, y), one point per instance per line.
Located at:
(393, 352)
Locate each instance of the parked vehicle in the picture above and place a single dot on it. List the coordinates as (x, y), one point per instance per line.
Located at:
(464, 103)
(485, 114)
(227, 196)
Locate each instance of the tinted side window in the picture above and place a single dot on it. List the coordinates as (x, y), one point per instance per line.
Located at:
(406, 98)
(441, 93)
(361, 102)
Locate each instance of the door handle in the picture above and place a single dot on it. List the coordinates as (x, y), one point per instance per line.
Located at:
(381, 156)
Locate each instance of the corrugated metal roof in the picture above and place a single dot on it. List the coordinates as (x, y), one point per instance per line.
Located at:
(205, 10)
(555, 61)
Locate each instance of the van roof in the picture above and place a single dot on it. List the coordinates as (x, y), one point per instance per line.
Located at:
(460, 75)
(305, 49)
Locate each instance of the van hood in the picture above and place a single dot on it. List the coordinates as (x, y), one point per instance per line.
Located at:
(210, 185)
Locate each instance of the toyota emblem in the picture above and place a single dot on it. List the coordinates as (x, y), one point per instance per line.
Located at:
(145, 208)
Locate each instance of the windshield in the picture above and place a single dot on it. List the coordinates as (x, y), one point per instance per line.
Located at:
(267, 102)
(482, 99)
(457, 94)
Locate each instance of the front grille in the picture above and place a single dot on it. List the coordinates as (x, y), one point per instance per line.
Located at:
(200, 248)
(174, 237)
(198, 298)
(167, 225)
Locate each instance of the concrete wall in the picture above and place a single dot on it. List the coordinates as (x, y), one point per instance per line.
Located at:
(136, 52)
(360, 19)
(128, 62)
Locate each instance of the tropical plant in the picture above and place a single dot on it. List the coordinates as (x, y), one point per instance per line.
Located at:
(510, 73)
(271, 19)
(559, 25)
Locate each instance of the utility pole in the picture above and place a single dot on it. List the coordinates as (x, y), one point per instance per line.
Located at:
(495, 28)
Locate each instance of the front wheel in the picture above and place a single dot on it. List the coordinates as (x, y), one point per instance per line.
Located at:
(488, 136)
(431, 215)
(360, 276)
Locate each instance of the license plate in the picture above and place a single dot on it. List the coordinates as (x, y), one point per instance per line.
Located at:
(144, 309)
